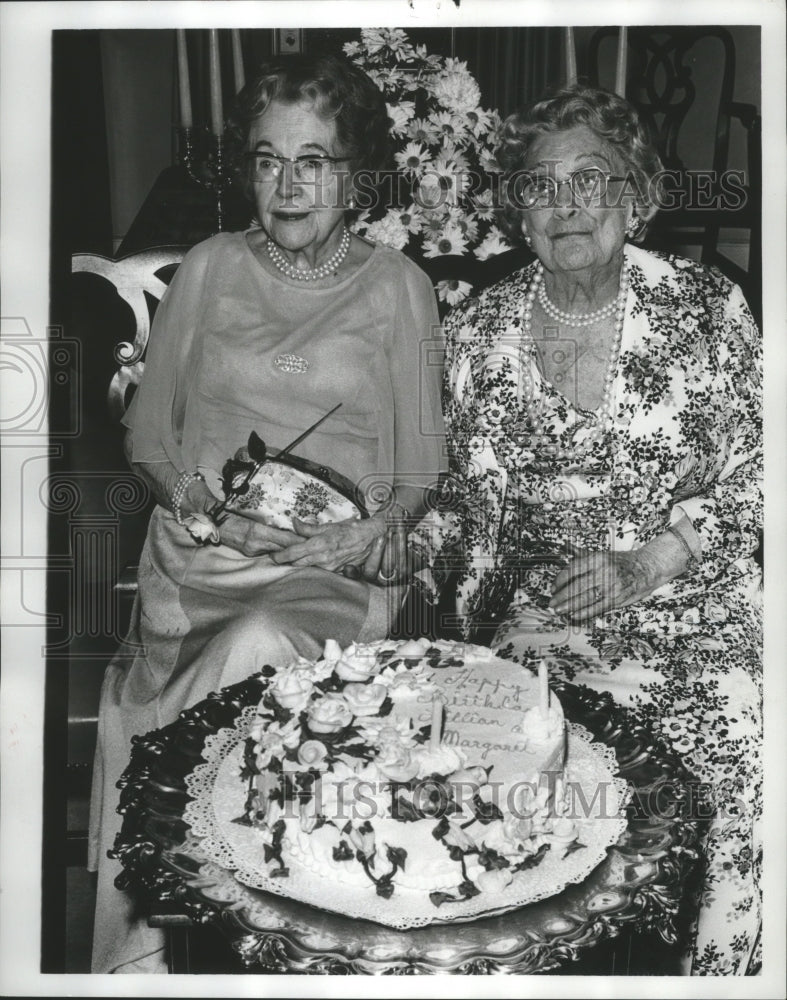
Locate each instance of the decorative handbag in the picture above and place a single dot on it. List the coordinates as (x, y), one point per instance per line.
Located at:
(287, 487)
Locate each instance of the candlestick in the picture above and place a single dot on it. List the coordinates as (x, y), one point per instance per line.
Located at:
(436, 731)
(216, 110)
(543, 690)
(184, 87)
(620, 69)
(237, 61)
(571, 58)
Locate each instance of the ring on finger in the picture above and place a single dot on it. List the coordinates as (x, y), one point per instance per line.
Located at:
(386, 579)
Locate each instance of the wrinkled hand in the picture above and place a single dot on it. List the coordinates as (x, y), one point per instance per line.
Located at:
(594, 583)
(252, 538)
(332, 546)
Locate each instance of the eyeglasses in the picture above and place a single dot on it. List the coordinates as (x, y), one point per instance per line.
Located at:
(587, 186)
(309, 167)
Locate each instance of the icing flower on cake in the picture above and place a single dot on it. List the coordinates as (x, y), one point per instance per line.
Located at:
(357, 664)
(377, 731)
(307, 814)
(332, 651)
(291, 689)
(362, 839)
(274, 739)
(563, 832)
(455, 836)
(404, 682)
(316, 672)
(494, 881)
(313, 754)
(443, 760)
(364, 699)
(517, 831)
(395, 762)
(539, 729)
(329, 714)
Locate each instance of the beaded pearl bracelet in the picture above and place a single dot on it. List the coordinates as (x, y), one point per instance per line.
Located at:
(184, 480)
(692, 563)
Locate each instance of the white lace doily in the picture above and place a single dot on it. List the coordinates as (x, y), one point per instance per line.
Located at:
(219, 796)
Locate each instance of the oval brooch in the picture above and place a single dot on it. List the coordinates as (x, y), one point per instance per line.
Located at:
(291, 363)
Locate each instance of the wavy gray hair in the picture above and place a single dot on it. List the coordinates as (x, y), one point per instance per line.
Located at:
(614, 120)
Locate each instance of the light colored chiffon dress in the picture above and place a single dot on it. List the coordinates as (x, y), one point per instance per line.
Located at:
(235, 349)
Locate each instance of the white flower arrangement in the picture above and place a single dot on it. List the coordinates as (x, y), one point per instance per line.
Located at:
(444, 144)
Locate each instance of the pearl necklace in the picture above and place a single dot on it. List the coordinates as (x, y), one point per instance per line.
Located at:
(313, 273)
(605, 419)
(572, 319)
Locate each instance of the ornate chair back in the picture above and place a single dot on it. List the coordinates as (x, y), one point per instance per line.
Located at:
(682, 81)
(139, 280)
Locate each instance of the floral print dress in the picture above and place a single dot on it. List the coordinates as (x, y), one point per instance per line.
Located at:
(685, 441)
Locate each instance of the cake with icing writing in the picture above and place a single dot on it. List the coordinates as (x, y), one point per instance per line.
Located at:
(412, 767)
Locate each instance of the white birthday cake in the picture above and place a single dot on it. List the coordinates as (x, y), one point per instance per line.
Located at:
(403, 768)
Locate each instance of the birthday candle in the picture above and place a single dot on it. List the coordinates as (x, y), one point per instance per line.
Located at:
(435, 733)
(216, 110)
(543, 689)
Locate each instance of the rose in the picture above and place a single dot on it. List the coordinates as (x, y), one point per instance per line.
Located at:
(443, 760)
(356, 665)
(329, 715)
(307, 814)
(495, 880)
(291, 689)
(362, 839)
(563, 831)
(201, 527)
(364, 699)
(395, 762)
(313, 754)
(275, 740)
(455, 836)
(517, 831)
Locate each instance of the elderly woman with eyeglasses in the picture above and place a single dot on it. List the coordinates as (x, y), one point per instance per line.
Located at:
(604, 424)
(267, 331)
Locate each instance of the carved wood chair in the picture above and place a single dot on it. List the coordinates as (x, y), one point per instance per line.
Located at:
(668, 70)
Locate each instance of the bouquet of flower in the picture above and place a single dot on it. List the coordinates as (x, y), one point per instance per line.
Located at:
(444, 152)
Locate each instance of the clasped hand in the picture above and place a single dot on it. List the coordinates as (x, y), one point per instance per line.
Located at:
(593, 583)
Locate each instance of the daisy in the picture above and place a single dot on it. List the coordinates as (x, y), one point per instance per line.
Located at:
(493, 244)
(413, 158)
(483, 204)
(424, 131)
(466, 222)
(450, 241)
(488, 162)
(449, 126)
(400, 114)
(412, 218)
(453, 291)
(479, 121)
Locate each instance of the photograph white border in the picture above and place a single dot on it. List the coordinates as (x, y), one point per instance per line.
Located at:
(25, 81)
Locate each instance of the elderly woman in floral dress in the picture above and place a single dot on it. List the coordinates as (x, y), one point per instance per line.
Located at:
(603, 413)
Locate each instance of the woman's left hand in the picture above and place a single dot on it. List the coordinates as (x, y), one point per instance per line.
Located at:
(596, 582)
(331, 546)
